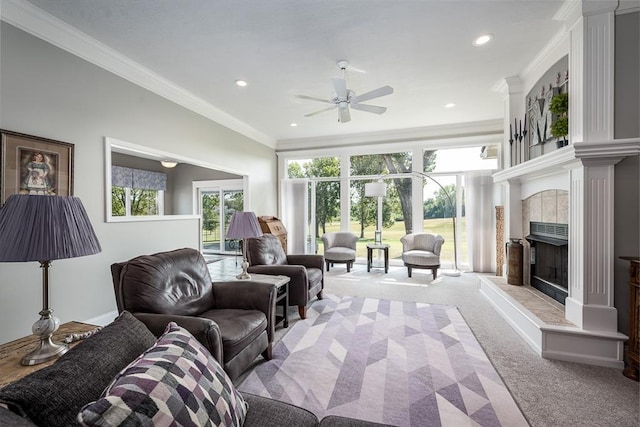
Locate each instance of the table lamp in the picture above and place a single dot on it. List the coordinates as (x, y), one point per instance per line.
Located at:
(45, 228)
(244, 225)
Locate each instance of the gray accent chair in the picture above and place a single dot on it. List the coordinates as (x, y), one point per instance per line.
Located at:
(422, 250)
(339, 248)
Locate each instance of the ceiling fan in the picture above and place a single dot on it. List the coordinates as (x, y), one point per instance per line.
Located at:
(343, 99)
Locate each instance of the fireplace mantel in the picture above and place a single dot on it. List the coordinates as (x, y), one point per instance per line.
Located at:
(569, 157)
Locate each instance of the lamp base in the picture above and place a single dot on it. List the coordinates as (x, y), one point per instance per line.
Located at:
(244, 275)
(47, 349)
(451, 273)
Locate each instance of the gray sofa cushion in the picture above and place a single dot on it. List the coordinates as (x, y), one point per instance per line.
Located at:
(337, 421)
(54, 395)
(265, 412)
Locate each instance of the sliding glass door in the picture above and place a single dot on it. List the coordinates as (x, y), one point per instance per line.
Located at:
(216, 205)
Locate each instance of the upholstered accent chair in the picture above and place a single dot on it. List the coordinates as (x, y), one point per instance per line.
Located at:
(422, 250)
(339, 248)
(234, 319)
(266, 256)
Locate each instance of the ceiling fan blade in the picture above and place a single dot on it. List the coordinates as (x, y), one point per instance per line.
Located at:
(311, 98)
(376, 93)
(369, 108)
(340, 86)
(321, 111)
(343, 115)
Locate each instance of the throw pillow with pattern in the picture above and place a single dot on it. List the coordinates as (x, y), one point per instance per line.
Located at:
(175, 382)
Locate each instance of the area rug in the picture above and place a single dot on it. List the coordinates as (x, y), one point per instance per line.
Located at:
(393, 362)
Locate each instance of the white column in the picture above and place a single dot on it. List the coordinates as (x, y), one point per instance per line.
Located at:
(345, 193)
(590, 302)
(511, 88)
(591, 58)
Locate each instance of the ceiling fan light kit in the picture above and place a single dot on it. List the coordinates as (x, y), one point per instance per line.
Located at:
(344, 99)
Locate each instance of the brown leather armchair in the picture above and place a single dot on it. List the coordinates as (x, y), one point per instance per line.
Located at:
(266, 256)
(234, 320)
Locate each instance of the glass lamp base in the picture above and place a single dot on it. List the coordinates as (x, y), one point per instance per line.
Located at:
(244, 275)
(47, 349)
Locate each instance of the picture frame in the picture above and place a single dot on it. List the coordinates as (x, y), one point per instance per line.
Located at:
(34, 165)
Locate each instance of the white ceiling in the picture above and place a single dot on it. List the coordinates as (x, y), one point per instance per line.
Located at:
(422, 48)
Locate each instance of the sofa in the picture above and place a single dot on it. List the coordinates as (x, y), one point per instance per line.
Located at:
(97, 372)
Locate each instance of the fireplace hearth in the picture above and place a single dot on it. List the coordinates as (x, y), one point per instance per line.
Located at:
(550, 259)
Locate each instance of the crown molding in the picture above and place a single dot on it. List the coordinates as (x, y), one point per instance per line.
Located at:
(480, 130)
(41, 24)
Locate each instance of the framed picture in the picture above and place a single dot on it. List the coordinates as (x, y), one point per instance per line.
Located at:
(34, 165)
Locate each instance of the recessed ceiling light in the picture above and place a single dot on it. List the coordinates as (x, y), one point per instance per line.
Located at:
(293, 125)
(241, 83)
(483, 39)
(450, 105)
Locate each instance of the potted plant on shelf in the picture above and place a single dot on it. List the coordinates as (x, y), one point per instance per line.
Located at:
(560, 126)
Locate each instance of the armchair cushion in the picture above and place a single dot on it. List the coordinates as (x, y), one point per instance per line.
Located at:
(176, 381)
(173, 282)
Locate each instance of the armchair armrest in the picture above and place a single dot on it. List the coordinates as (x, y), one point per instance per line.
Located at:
(206, 331)
(248, 295)
(308, 260)
(437, 246)
(407, 242)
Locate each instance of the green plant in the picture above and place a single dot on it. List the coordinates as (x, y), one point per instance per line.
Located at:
(560, 106)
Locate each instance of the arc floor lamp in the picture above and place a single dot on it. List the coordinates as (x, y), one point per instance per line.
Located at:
(456, 271)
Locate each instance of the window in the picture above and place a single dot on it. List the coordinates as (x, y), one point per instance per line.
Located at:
(136, 192)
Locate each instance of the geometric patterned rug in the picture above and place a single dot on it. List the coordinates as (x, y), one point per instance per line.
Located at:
(392, 362)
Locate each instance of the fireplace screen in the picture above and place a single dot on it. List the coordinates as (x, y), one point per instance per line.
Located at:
(550, 259)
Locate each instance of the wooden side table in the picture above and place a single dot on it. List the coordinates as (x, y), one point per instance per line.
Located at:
(382, 246)
(632, 369)
(11, 353)
(282, 296)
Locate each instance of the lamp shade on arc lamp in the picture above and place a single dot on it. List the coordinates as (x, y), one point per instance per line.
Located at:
(45, 228)
(375, 189)
(244, 225)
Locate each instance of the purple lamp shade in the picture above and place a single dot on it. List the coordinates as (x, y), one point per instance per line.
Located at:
(243, 225)
(45, 228)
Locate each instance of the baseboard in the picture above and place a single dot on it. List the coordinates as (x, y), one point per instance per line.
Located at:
(103, 319)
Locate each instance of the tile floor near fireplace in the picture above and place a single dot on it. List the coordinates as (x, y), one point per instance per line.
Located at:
(542, 306)
(541, 322)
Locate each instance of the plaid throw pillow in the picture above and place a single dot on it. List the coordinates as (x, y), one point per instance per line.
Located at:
(175, 382)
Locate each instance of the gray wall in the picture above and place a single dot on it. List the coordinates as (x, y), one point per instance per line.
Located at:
(627, 75)
(627, 172)
(47, 92)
